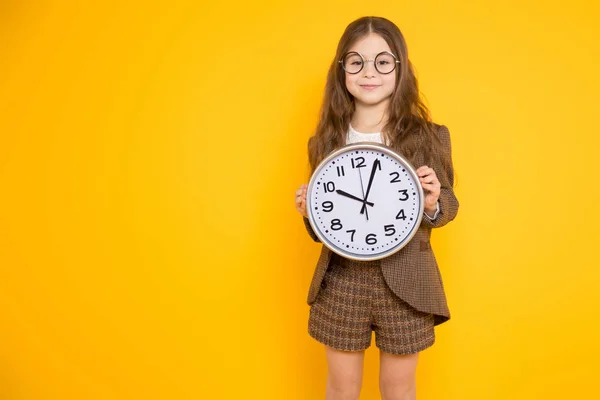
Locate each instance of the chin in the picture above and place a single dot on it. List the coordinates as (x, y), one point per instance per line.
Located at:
(371, 101)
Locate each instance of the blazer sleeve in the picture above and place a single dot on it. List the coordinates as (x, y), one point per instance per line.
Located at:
(448, 203)
(310, 230)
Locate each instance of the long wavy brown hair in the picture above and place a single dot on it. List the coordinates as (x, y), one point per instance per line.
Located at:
(408, 129)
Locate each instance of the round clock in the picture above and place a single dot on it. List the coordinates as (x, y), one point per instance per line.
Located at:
(365, 201)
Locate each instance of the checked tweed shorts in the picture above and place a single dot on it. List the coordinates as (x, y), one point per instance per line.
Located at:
(354, 300)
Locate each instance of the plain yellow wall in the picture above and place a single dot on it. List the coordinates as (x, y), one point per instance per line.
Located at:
(149, 246)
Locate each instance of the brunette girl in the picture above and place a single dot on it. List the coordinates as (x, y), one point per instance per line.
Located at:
(372, 95)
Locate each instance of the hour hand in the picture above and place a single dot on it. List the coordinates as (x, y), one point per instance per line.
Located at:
(353, 197)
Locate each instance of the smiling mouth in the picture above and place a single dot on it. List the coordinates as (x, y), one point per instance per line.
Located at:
(369, 87)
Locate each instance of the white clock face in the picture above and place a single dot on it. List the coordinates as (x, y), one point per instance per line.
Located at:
(365, 201)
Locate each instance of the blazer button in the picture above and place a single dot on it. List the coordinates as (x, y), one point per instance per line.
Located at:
(323, 285)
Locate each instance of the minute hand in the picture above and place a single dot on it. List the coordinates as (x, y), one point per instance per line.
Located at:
(375, 164)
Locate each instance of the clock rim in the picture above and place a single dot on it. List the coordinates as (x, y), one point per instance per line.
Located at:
(362, 146)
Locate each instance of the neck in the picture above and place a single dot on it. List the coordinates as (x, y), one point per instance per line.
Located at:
(370, 118)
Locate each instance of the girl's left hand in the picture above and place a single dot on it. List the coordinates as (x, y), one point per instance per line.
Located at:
(431, 185)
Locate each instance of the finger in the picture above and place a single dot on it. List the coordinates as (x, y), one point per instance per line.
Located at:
(429, 179)
(302, 211)
(431, 187)
(429, 176)
(425, 170)
(433, 183)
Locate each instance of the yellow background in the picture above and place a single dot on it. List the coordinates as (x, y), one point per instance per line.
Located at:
(149, 154)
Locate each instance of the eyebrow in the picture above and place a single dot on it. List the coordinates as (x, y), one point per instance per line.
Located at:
(373, 55)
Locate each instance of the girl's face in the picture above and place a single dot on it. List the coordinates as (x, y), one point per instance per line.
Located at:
(369, 87)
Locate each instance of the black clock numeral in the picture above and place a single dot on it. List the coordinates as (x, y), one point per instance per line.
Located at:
(340, 170)
(371, 238)
(360, 162)
(336, 224)
(396, 179)
(327, 206)
(405, 193)
(329, 187)
(389, 228)
(353, 231)
(401, 215)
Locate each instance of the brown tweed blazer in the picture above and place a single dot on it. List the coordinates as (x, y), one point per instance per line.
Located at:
(412, 272)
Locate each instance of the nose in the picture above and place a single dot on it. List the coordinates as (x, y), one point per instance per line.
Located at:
(369, 68)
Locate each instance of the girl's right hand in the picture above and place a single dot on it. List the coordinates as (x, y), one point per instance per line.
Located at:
(301, 200)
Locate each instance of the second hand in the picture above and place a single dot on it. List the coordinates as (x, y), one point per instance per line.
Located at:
(363, 191)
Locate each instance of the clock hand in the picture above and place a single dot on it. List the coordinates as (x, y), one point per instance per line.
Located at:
(353, 197)
(364, 207)
(363, 191)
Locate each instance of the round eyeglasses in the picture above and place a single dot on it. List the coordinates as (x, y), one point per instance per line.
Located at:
(384, 62)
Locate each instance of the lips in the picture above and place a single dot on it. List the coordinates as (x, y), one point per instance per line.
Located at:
(369, 87)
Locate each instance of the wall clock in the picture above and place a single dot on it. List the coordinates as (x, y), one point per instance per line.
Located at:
(365, 201)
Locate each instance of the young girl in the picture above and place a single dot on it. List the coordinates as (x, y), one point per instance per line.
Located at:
(372, 95)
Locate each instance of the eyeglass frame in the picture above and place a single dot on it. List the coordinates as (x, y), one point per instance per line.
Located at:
(366, 61)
